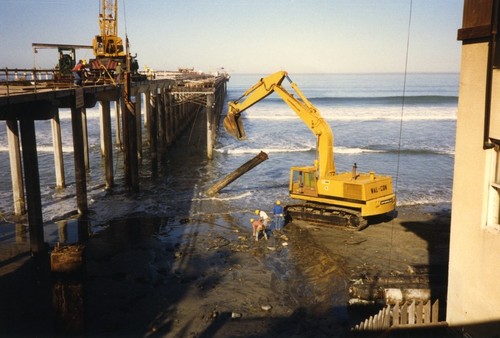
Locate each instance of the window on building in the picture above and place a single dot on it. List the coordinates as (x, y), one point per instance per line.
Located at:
(494, 194)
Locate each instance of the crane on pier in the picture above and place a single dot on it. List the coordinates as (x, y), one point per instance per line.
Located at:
(108, 46)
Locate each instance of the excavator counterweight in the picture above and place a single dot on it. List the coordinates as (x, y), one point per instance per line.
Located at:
(329, 197)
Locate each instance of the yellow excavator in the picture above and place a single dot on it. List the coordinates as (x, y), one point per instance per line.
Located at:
(346, 199)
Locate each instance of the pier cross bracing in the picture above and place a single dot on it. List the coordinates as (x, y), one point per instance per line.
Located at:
(171, 102)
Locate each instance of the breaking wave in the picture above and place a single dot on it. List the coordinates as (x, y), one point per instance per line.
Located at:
(338, 150)
(419, 100)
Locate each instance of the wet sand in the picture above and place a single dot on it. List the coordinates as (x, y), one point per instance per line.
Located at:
(221, 283)
(168, 277)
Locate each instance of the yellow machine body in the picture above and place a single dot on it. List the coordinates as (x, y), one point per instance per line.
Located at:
(370, 194)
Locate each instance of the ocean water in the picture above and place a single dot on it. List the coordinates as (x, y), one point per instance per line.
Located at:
(379, 121)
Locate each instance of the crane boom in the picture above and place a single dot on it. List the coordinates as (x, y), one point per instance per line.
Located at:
(108, 44)
(108, 22)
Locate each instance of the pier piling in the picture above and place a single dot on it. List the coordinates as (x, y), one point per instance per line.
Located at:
(85, 138)
(118, 128)
(79, 159)
(131, 162)
(106, 142)
(210, 125)
(138, 121)
(58, 152)
(162, 113)
(153, 131)
(16, 170)
(32, 181)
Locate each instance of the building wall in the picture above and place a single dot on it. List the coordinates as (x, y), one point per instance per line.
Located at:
(474, 267)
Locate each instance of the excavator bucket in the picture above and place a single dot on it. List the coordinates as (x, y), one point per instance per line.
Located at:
(234, 127)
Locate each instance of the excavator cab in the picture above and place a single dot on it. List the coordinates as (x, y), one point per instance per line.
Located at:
(303, 181)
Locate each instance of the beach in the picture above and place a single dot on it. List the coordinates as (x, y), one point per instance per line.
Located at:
(185, 278)
(188, 266)
(225, 284)
(170, 261)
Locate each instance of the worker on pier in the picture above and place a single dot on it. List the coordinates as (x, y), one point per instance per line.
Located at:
(118, 72)
(77, 71)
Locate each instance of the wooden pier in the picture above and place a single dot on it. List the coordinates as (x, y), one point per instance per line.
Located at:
(171, 101)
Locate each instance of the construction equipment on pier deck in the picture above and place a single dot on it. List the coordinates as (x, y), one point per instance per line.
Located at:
(108, 47)
(67, 56)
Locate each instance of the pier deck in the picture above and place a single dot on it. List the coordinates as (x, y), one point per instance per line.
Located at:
(171, 101)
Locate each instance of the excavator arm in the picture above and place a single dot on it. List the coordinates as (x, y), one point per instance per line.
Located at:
(256, 93)
(301, 106)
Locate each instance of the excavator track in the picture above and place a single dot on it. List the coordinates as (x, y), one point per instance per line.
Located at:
(326, 215)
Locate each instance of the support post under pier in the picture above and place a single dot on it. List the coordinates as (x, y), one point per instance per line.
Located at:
(153, 131)
(117, 124)
(58, 153)
(162, 123)
(32, 180)
(211, 128)
(79, 157)
(106, 142)
(16, 170)
(131, 161)
(138, 122)
(85, 139)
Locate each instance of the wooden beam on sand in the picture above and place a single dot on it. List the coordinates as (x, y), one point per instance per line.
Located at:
(261, 157)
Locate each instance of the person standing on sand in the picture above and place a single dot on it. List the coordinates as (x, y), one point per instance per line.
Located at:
(278, 215)
(257, 228)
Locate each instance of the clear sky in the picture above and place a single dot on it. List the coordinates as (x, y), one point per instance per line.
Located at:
(246, 36)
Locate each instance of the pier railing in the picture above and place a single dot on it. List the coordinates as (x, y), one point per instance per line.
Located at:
(15, 80)
(32, 75)
(24, 80)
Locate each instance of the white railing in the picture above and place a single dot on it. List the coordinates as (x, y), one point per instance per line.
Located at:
(402, 315)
